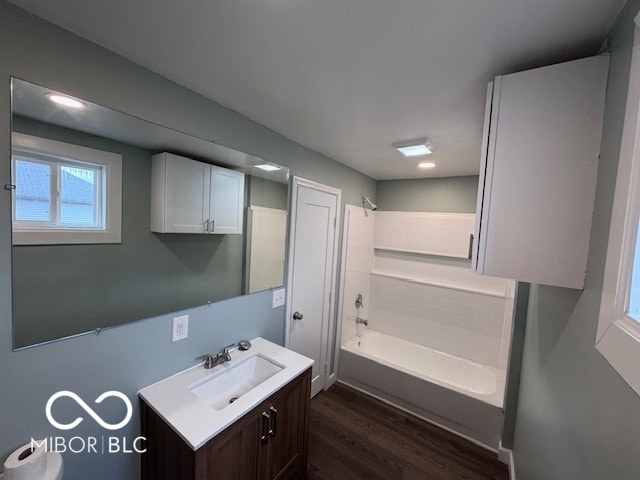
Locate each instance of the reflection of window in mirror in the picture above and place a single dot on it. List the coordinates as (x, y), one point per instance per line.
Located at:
(64, 193)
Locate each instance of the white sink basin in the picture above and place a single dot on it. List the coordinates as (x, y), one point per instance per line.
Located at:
(196, 402)
(223, 388)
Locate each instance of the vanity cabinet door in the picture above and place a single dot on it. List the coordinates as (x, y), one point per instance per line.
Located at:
(288, 411)
(237, 453)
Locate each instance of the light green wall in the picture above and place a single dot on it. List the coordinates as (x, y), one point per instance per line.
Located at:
(266, 193)
(449, 194)
(129, 357)
(577, 419)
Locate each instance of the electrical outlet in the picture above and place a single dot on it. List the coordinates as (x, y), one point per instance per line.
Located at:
(279, 297)
(180, 329)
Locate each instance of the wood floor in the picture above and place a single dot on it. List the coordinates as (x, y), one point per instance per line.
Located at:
(353, 437)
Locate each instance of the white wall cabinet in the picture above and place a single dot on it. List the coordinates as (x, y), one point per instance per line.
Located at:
(188, 196)
(538, 173)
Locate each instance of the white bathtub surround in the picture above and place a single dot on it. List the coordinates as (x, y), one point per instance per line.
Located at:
(357, 260)
(438, 338)
(469, 324)
(425, 233)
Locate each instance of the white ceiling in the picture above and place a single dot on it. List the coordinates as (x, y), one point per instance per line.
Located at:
(347, 78)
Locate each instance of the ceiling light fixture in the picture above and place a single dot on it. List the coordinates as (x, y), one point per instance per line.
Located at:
(267, 167)
(414, 148)
(427, 165)
(65, 101)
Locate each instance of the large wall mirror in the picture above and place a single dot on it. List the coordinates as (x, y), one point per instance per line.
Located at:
(62, 288)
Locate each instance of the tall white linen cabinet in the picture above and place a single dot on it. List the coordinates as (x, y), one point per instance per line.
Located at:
(538, 173)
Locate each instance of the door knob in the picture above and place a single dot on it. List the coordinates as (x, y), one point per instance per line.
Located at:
(297, 316)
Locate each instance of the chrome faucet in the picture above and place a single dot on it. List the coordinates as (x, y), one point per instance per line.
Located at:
(363, 321)
(219, 358)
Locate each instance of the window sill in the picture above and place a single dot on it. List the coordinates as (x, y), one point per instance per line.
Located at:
(71, 237)
(619, 345)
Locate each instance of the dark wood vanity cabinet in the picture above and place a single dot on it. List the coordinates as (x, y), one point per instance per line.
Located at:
(268, 443)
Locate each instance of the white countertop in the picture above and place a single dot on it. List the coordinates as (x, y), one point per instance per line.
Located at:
(195, 420)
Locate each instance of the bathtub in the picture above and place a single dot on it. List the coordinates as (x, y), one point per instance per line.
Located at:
(452, 392)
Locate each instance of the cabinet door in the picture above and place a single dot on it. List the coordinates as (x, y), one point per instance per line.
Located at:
(238, 453)
(185, 203)
(227, 200)
(288, 411)
(537, 186)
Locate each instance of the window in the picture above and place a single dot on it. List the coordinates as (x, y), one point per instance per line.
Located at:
(618, 336)
(64, 193)
(634, 292)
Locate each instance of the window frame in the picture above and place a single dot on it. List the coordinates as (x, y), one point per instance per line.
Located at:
(618, 335)
(110, 162)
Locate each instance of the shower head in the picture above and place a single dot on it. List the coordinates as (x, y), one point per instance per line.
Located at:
(367, 201)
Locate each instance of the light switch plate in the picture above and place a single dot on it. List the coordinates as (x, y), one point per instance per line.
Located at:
(279, 297)
(180, 329)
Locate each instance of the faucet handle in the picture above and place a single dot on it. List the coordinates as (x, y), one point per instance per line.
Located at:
(207, 359)
(224, 352)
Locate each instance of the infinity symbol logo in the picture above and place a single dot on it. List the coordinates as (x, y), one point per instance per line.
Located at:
(89, 410)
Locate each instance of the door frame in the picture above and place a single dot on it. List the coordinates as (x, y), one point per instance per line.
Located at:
(330, 333)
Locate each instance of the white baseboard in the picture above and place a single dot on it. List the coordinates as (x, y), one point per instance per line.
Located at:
(505, 455)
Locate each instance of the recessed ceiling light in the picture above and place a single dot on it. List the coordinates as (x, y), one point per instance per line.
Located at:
(65, 101)
(267, 167)
(414, 148)
(427, 165)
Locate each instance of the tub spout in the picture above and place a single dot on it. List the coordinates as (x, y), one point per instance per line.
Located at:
(362, 321)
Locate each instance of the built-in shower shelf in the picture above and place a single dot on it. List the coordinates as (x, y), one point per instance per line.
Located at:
(426, 233)
(501, 289)
(464, 256)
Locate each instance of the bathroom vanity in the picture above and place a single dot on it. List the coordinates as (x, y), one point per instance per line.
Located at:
(245, 419)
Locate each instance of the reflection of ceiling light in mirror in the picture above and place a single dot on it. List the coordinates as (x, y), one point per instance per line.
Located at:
(267, 167)
(414, 148)
(427, 165)
(65, 101)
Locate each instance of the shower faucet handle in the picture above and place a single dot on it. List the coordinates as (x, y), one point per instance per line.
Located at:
(359, 303)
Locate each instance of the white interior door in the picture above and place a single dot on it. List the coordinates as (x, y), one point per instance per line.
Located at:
(312, 267)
